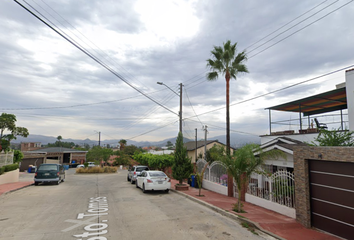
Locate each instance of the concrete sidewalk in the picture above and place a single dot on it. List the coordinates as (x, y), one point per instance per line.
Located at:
(272, 223)
(9, 187)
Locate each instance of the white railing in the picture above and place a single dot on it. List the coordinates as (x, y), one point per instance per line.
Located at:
(6, 158)
(278, 188)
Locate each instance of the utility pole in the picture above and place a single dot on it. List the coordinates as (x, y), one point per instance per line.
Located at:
(196, 146)
(180, 102)
(205, 128)
(99, 138)
(180, 107)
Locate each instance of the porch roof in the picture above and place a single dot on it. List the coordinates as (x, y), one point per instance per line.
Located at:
(316, 104)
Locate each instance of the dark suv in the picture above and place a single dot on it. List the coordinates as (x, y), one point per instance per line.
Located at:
(49, 173)
(134, 172)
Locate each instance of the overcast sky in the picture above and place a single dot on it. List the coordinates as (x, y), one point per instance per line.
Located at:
(55, 89)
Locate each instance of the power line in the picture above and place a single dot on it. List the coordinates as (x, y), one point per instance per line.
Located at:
(278, 90)
(192, 107)
(291, 26)
(301, 29)
(94, 58)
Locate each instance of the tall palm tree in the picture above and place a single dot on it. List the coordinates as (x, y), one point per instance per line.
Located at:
(226, 63)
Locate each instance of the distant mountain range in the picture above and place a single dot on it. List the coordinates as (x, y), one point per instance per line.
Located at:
(237, 140)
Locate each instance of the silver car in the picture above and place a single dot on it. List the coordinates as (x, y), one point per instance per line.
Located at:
(134, 172)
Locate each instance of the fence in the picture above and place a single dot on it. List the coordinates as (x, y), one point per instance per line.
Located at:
(215, 176)
(6, 158)
(276, 192)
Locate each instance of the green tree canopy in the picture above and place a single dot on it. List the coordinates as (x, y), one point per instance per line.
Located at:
(215, 153)
(122, 144)
(182, 166)
(98, 153)
(334, 138)
(9, 130)
(18, 156)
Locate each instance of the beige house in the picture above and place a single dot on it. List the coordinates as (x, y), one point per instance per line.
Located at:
(193, 147)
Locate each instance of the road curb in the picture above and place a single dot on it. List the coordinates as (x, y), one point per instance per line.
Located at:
(16, 189)
(228, 214)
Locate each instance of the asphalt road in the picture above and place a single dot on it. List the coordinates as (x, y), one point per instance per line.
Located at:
(106, 206)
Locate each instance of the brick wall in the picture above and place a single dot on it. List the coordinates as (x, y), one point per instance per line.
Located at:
(301, 170)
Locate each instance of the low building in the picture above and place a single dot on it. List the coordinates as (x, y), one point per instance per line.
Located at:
(65, 156)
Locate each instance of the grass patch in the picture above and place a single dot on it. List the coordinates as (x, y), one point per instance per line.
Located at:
(105, 169)
(249, 227)
(235, 208)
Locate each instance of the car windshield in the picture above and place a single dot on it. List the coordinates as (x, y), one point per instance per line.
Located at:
(139, 169)
(157, 174)
(48, 167)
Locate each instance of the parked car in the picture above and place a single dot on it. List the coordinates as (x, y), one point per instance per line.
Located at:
(49, 173)
(153, 181)
(134, 172)
(90, 164)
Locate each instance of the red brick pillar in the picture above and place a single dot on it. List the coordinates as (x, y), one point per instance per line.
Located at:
(230, 185)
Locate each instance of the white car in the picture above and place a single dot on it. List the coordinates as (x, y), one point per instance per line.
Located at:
(153, 181)
(90, 164)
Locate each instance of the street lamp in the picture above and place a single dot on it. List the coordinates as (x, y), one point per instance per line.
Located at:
(180, 102)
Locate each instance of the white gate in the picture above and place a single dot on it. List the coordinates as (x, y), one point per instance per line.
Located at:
(274, 192)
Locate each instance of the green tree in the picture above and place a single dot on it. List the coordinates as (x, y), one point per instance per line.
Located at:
(227, 63)
(182, 166)
(8, 124)
(244, 162)
(122, 144)
(169, 145)
(215, 153)
(334, 138)
(18, 156)
(98, 153)
(130, 150)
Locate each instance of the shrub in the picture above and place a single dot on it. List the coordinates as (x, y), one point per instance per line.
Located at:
(97, 170)
(8, 168)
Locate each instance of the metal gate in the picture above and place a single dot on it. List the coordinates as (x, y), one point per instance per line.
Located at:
(332, 197)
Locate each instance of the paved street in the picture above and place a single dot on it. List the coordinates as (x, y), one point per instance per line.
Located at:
(85, 205)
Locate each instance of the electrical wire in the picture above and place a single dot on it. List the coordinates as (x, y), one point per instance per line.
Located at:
(278, 90)
(94, 58)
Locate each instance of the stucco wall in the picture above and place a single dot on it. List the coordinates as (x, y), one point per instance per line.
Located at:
(10, 177)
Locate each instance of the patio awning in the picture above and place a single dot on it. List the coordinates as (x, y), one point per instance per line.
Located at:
(317, 104)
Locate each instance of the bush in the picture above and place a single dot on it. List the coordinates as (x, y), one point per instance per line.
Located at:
(8, 168)
(97, 170)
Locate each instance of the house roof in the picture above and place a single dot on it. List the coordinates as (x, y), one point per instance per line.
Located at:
(317, 104)
(282, 143)
(191, 145)
(57, 150)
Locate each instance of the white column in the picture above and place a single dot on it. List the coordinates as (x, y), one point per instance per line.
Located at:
(349, 82)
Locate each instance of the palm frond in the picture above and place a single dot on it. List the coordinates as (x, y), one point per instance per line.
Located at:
(212, 76)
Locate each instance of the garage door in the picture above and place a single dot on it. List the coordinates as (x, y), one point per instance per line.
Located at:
(332, 197)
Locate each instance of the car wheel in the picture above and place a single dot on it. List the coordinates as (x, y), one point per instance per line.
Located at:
(167, 190)
(144, 191)
(36, 183)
